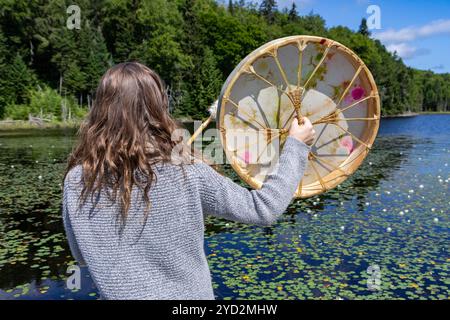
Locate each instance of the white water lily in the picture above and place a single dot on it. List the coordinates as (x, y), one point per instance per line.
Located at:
(436, 219)
(388, 229)
(342, 228)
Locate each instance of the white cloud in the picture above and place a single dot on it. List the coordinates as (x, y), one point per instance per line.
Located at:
(412, 33)
(398, 40)
(406, 51)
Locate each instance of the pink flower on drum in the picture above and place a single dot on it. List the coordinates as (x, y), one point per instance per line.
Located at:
(348, 99)
(358, 92)
(347, 143)
(247, 156)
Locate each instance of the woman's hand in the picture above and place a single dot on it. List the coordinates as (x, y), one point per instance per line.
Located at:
(304, 132)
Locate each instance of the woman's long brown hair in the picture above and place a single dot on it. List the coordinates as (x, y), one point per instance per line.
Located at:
(127, 131)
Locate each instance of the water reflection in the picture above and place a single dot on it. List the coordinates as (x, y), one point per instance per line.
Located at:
(321, 247)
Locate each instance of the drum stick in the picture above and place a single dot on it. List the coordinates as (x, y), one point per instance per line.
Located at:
(199, 130)
(212, 115)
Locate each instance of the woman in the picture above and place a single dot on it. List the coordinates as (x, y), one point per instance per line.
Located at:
(133, 215)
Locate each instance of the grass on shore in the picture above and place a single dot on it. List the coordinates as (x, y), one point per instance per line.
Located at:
(75, 124)
(25, 125)
(434, 112)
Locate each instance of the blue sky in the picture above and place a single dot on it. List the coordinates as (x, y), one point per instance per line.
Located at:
(418, 30)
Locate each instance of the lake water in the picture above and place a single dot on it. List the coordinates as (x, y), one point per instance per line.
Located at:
(384, 233)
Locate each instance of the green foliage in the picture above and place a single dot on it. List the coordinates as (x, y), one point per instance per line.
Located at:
(192, 44)
(160, 47)
(16, 79)
(204, 85)
(45, 103)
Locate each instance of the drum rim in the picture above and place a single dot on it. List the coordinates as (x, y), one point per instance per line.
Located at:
(353, 161)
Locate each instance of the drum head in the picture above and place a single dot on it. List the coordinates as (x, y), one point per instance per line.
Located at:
(321, 78)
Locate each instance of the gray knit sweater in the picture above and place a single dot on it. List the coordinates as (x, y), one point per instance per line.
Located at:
(164, 257)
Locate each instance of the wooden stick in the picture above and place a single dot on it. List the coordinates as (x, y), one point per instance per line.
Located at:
(199, 130)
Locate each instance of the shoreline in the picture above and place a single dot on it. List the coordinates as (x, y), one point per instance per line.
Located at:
(401, 115)
(25, 125)
(414, 114)
(434, 112)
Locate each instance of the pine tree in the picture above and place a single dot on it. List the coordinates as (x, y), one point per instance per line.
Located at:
(267, 9)
(363, 28)
(204, 86)
(99, 60)
(94, 58)
(160, 42)
(16, 78)
(122, 29)
(230, 6)
(4, 95)
(293, 15)
(203, 81)
(193, 44)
